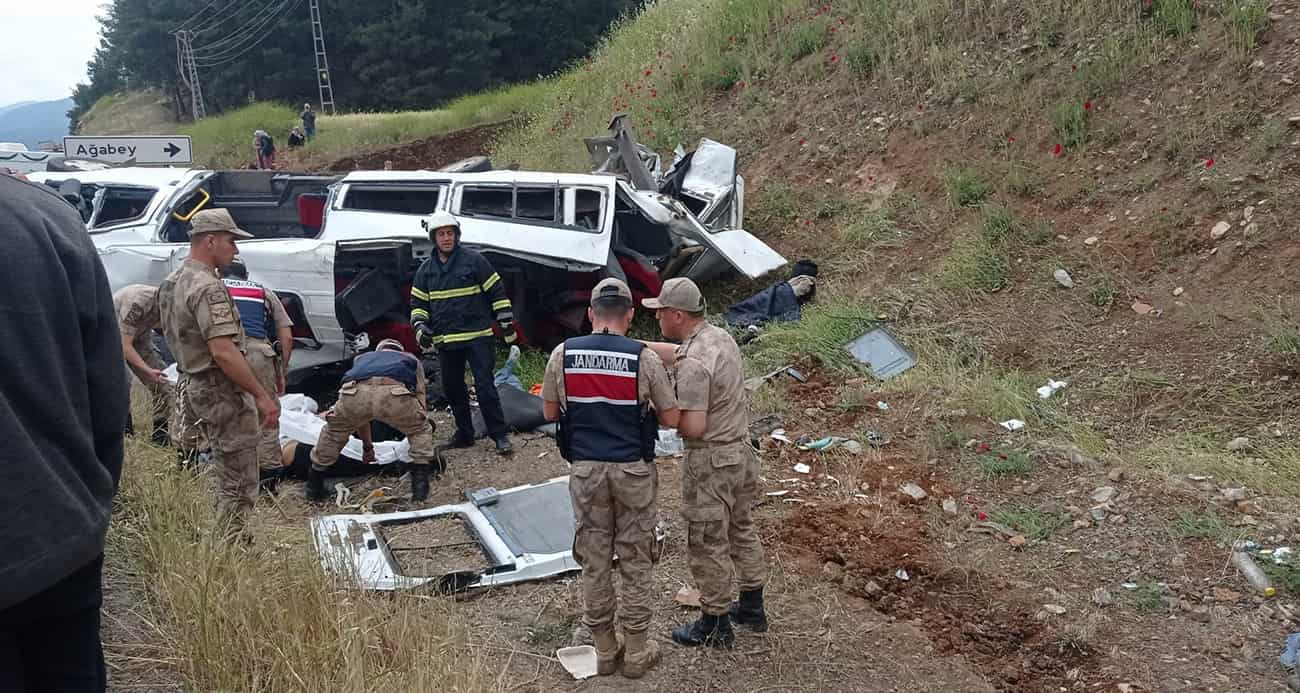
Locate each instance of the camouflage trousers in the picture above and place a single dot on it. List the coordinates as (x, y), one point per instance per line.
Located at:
(374, 399)
(719, 491)
(214, 409)
(266, 366)
(160, 394)
(615, 512)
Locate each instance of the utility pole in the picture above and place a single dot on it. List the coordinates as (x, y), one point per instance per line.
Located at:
(189, 72)
(322, 61)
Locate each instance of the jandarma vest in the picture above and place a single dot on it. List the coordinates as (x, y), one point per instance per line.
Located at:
(398, 365)
(602, 419)
(250, 300)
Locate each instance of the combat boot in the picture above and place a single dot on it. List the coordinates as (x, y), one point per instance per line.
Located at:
(640, 655)
(316, 487)
(268, 480)
(714, 631)
(609, 651)
(749, 611)
(419, 483)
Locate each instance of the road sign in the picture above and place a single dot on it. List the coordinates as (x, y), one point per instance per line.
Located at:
(142, 149)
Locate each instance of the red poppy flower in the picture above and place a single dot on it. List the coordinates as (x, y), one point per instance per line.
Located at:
(1209, 163)
(648, 73)
(740, 84)
(981, 515)
(654, 93)
(871, 179)
(1012, 139)
(1056, 149)
(834, 57)
(802, 141)
(842, 21)
(1073, 68)
(807, 222)
(920, 107)
(1087, 105)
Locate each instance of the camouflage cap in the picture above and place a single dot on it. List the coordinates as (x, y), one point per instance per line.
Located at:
(611, 289)
(216, 221)
(679, 293)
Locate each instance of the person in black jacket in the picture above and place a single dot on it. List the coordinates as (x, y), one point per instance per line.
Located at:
(455, 298)
(63, 408)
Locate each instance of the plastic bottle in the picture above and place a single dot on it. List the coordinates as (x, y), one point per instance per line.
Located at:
(1252, 572)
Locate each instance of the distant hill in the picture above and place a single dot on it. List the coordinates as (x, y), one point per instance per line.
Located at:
(34, 122)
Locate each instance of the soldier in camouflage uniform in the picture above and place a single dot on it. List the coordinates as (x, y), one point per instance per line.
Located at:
(386, 385)
(137, 317)
(217, 390)
(720, 478)
(599, 387)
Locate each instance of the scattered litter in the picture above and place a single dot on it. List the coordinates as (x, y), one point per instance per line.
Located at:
(1129, 585)
(884, 354)
(1104, 494)
(913, 491)
(1251, 571)
(827, 443)
(756, 382)
(1290, 651)
(902, 575)
(579, 661)
(876, 439)
(777, 494)
(882, 406)
(688, 596)
(342, 494)
(1054, 609)
(1050, 388)
(1063, 278)
(1282, 555)
(1012, 424)
(543, 453)
(852, 447)
(367, 505)
(802, 468)
(779, 434)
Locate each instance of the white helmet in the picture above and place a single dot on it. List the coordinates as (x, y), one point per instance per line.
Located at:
(439, 220)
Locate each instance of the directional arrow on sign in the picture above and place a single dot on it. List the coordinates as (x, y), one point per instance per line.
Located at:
(171, 149)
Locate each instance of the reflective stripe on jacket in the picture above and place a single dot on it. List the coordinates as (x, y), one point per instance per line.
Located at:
(459, 299)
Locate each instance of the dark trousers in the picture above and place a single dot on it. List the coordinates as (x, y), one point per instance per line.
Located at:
(481, 358)
(50, 641)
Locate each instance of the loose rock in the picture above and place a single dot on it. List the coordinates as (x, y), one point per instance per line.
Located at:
(1233, 495)
(913, 491)
(1018, 541)
(1178, 291)
(1104, 494)
(1239, 444)
(1142, 308)
(1116, 475)
(950, 506)
(1102, 597)
(1220, 230)
(1063, 278)
(1091, 240)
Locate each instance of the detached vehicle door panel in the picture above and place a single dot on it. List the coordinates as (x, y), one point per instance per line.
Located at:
(302, 269)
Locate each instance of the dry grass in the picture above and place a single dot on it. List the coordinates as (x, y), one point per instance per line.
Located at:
(268, 618)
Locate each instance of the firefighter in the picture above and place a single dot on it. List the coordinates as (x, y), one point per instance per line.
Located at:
(455, 298)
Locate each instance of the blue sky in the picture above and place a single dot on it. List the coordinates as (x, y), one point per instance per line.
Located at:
(46, 46)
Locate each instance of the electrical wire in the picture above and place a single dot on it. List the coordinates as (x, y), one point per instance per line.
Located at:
(216, 60)
(237, 39)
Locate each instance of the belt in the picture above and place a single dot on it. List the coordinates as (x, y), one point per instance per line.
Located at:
(706, 444)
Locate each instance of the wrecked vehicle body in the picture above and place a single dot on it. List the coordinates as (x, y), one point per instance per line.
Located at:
(494, 538)
(341, 251)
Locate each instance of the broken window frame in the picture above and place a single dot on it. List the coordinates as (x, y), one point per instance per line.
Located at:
(438, 188)
(101, 192)
(564, 215)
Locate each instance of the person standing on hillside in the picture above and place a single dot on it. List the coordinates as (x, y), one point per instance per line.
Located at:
(720, 478)
(63, 408)
(308, 121)
(455, 297)
(137, 318)
(218, 391)
(264, 148)
(269, 346)
(599, 387)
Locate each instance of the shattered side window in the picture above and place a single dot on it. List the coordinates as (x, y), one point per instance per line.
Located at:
(398, 199)
(120, 205)
(587, 209)
(535, 204)
(482, 201)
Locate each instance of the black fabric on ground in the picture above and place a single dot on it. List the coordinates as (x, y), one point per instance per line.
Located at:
(345, 466)
(49, 643)
(776, 302)
(64, 397)
(523, 411)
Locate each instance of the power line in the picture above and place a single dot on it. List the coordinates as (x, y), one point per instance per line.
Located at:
(241, 36)
(230, 11)
(185, 24)
(233, 53)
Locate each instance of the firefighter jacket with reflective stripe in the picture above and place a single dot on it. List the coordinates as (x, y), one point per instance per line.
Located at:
(459, 299)
(398, 365)
(603, 420)
(250, 300)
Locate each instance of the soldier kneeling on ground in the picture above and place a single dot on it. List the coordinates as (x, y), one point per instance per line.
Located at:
(386, 385)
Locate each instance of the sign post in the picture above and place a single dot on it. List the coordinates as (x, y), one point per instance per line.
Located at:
(138, 149)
